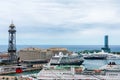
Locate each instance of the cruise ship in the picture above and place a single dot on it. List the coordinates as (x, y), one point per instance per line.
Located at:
(59, 72)
(77, 73)
(113, 57)
(99, 55)
(61, 59)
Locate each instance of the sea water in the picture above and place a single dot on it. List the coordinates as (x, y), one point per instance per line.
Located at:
(114, 48)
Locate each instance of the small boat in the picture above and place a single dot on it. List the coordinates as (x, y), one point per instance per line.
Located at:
(73, 59)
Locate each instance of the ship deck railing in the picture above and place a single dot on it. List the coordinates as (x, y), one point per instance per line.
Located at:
(91, 72)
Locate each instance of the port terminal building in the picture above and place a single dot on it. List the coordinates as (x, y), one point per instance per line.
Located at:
(37, 55)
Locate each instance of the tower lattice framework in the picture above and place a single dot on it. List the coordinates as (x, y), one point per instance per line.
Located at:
(12, 43)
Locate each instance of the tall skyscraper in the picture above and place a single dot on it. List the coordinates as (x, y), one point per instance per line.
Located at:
(106, 45)
(106, 41)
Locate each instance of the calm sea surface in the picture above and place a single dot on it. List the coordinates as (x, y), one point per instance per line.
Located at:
(90, 64)
(114, 48)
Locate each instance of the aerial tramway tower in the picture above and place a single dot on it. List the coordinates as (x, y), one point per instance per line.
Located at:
(12, 43)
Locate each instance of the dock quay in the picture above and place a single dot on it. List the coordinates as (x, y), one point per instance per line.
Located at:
(24, 70)
(12, 78)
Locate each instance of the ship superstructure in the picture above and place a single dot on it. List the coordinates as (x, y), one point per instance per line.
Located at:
(73, 59)
(75, 72)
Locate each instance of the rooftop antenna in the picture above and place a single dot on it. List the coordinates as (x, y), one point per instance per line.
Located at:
(11, 21)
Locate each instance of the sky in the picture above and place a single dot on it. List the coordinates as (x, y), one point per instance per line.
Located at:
(61, 22)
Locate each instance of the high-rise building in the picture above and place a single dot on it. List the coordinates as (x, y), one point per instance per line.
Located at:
(106, 45)
(106, 41)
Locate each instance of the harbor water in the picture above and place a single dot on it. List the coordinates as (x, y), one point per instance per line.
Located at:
(95, 64)
(89, 64)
